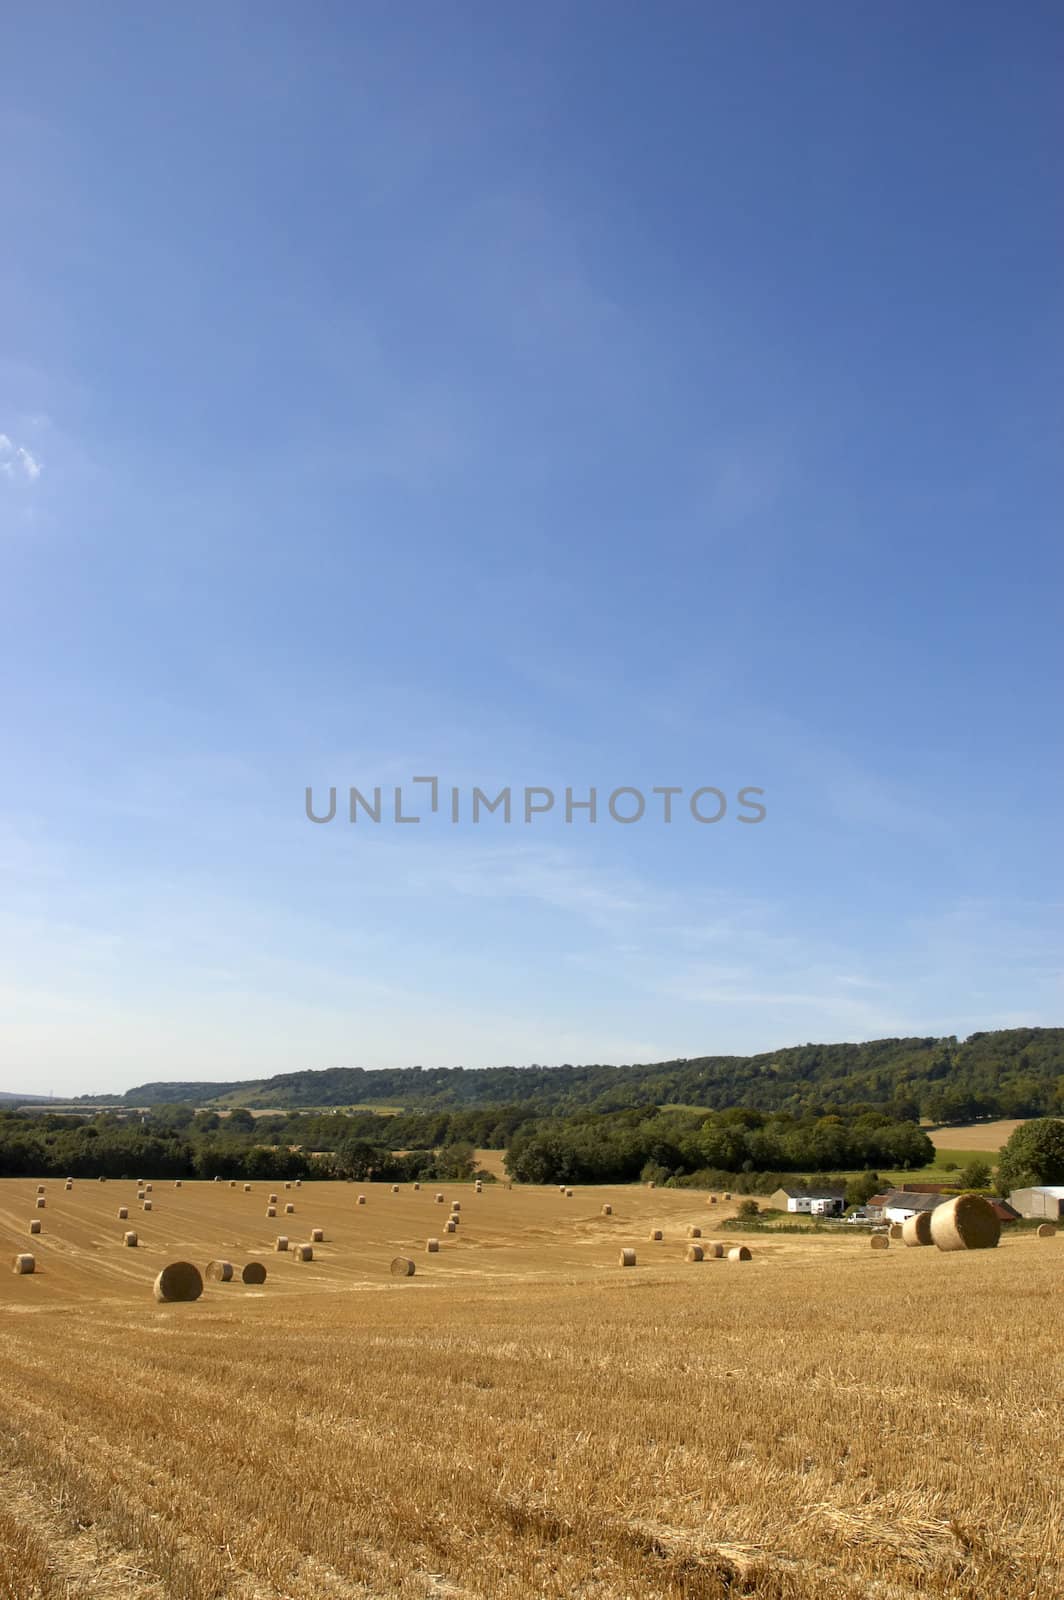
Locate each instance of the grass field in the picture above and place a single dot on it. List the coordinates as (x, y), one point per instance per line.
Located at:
(523, 1417)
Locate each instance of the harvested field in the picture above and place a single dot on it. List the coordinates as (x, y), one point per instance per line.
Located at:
(981, 1136)
(524, 1417)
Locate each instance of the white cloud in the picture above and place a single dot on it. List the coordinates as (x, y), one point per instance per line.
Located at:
(18, 462)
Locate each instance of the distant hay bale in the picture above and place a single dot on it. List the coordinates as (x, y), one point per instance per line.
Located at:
(220, 1271)
(895, 1230)
(103, 1180)
(693, 1252)
(478, 1188)
(456, 1205)
(40, 1202)
(450, 1226)
(288, 1185)
(302, 1252)
(607, 1211)
(395, 1188)
(289, 1209)
(177, 1184)
(35, 1227)
(361, 1199)
(141, 1195)
(440, 1199)
(1045, 1230)
(40, 1188)
(232, 1183)
(694, 1232)
(651, 1184)
(271, 1211)
(402, 1267)
(915, 1229)
(455, 1217)
(299, 1183)
(24, 1263)
(68, 1186)
(123, 1213)
(147, 1205)
(879, 1241)
(281, 1242)
(568, 1193)
(180, 1281)
(716, 1250)
(254, 1272)
(417, 1186)
(967, 1223)
(130, 1239)
(247, 1188)
(317, 1235)
(740, 1252)
(626, 1258)
(272, 1200)
(147, 1188)
(561, 1188)
(712, 1199)
(432, 1246)
(656, 1234)
(727, 1194)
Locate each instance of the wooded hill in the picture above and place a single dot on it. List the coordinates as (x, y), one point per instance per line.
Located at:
(1014, 1072)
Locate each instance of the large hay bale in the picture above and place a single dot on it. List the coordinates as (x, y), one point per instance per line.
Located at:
(740, 1252)
(607, 1211)
(254, 1272)
(694, 1232)
(281, 1243)
(130, 1239)
(220, 1271)
(895, 1230)
(302, 1252)
(123, 1213)
(627, 1257)
(317, 1235)
(402, 1267)
(35, 1227)
(432, 1246)
(967, 1223)
(916, 1229)
(450, 1225)
(289, 1209)
(693, 1253)
(24, 1263)
(179, 1281)
(40, 1202)
(1045, 1230)
(656, 1234)
(879, 1241)
(716, 1250)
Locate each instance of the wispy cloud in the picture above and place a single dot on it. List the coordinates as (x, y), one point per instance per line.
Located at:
(16, 462)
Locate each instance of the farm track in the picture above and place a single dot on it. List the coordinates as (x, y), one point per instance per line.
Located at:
(826, 1423)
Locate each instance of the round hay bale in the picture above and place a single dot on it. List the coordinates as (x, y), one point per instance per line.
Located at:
(103, 1180)
(607, 1211)
(141, 1195)
(299, 1183)
(289, 1209)
(916, 1229)
(395, 1188)
(177, 1184)
(40, 1202)
(220, 1271)
(561, 1188)
(254, 1272)
(147, 1188)
(694, 1232)
(727, 1194)
(478, 1188)
(879, 1241)
(456, 1206)
(317, 1235)
(361, 1199)
(740, 1252)
(712, 1199)
(130, 1239)
(693, 1252)
(247, 1188)
(281, 1242)
(40, 1188)
(450, 1225)
(179, 1281)
(716, 1250)
(895, 1230)
(147, 1205)
(440, 1199)
(967, 1223)
(123, 1213)
(656, 1234)
(402, 1267)
(302, 1252)
(68, 1186)
(271, 1211)
(432, 1246)
(35, 1227)
(271, 1200)
(568, 1193)
(626, 1258)
(232, 1183)
(417, 1186)
(1045, 1230)
(288, 1185)
(24, 1263)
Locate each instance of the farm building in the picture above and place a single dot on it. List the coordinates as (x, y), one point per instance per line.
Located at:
(1004, 1212)
(822, 1201)
(901, 1204)
(1045, 1200)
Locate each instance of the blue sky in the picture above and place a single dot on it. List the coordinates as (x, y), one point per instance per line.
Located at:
(600, 395)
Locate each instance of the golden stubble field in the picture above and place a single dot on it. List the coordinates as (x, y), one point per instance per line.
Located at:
(523, 1417)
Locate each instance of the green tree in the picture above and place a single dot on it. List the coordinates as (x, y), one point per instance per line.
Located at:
(1033, 1154)
(976, 1175)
